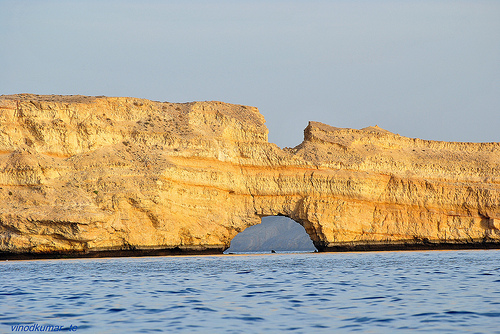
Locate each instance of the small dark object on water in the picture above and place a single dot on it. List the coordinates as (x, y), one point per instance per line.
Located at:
(273, 251)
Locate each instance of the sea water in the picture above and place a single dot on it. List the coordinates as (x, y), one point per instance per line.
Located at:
(383, 292)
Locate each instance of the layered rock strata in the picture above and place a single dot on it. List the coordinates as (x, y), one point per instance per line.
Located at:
(89, 175)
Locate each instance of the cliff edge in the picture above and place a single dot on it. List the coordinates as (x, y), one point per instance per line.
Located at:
(88, 175)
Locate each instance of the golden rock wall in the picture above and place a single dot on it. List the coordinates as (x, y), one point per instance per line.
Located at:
(87, 174)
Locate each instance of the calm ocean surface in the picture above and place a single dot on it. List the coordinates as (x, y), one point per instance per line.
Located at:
(386, 292)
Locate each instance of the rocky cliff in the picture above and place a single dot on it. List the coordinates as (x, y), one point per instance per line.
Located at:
(84, 175)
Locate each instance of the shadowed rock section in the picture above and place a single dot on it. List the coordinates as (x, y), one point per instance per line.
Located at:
(89, 175)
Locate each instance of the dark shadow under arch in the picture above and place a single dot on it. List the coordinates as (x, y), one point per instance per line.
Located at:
(275, 233)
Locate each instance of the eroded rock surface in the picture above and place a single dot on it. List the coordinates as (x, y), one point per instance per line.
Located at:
(87, 174)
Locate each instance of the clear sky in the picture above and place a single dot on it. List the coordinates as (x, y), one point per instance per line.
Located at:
(427, 69)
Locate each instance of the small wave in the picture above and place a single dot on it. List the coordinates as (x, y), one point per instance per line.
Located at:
(153, 310)
(369, 319)
(64, 315)
(116, 310)
(244, 272)
(460, 312)
(426, 314)
(370, 298)
(490, 314)
(246, 318)
(15, 292)
(207, 309)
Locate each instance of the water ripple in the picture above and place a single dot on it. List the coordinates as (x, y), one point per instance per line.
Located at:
(451, 292)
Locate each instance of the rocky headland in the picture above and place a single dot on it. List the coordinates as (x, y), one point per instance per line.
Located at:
(90, 176)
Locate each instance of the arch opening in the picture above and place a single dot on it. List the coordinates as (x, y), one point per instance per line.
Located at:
(273, 234)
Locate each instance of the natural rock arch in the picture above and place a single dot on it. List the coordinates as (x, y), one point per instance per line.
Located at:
(86, 175)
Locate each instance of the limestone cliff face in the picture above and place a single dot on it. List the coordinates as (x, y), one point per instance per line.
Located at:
(85, 174)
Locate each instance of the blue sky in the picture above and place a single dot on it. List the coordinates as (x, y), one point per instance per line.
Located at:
(427, 69)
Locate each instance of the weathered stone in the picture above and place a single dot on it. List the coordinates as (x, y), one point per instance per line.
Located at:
(85, 174)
